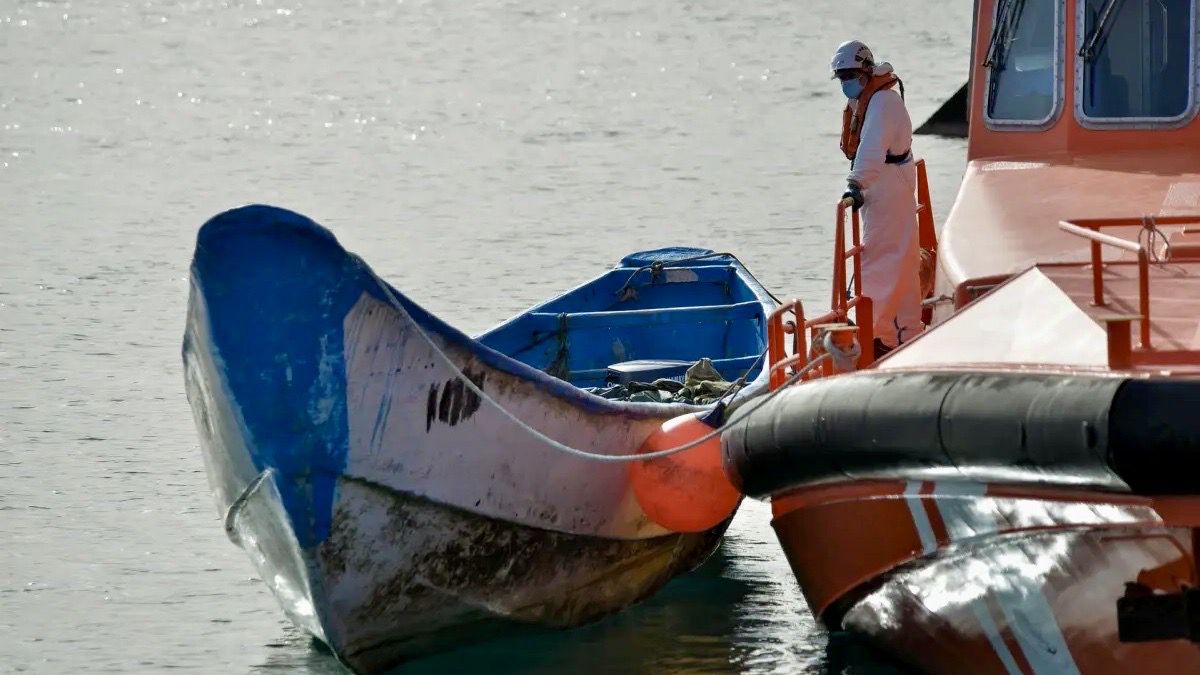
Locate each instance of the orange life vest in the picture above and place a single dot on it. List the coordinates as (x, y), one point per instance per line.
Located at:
(856, 111)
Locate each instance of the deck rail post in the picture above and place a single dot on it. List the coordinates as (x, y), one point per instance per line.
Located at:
(778, 359)
(1090, 230)
(1097, 276)
(1120, 339)
(1144, 295)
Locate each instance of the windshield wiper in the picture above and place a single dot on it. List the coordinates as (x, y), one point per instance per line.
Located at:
(1088, 50)
(1004, 24)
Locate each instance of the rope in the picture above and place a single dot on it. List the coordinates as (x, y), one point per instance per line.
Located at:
(1151, 232)
(845, 360)
(656, 266)
(576, 452)
(660, 264)
(741, 382)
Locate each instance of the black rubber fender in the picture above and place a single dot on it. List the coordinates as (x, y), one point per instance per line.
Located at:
(1155, 436)
(1104, 432)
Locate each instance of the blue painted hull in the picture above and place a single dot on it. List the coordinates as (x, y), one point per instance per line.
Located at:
(390, 510)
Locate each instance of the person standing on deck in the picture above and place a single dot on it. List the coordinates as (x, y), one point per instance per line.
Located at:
(877, 139)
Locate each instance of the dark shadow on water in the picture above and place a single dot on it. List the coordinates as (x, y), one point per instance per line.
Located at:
(847, 654)
(684, 628)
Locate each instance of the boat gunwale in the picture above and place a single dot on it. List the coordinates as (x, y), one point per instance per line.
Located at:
(258, 218)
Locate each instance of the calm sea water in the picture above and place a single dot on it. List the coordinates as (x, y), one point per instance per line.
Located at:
(482, 156)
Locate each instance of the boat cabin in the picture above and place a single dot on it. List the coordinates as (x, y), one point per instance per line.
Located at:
(1078, 109)
(1078, 217)
(1075, 236)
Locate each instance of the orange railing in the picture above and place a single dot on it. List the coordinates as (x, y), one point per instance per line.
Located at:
(789, 319)
(846, 294)
(778, 326)
(1090, 230)
(926, 230)
(1119, 355)
(840, 304)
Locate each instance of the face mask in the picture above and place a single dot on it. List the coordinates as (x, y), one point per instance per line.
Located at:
(852, 88)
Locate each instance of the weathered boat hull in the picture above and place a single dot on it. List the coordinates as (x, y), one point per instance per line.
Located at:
(391, 510)
(401, 576)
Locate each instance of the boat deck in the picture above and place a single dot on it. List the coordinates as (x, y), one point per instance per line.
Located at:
(1174, 298)
(1045, 318)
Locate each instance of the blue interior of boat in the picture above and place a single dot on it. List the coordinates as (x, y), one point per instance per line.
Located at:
(683, 309)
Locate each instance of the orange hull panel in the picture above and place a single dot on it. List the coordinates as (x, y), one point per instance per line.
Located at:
(1046, 603)
(1008, 580)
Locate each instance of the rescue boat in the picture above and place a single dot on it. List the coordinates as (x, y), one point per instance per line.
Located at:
(1017, 489)
(403, 488)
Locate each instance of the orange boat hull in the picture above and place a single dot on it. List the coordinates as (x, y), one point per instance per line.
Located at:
(955, 577)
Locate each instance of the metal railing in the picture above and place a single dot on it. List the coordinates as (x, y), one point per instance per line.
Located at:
(778, 326)
(1090, 229)
(846, 294)
(789, 318)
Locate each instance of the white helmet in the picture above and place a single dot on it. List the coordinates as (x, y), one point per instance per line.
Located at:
(852, 54)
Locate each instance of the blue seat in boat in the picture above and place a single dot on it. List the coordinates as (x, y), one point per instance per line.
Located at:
(646, 370)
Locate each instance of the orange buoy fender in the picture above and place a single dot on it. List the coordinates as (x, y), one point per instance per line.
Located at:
(687, 491)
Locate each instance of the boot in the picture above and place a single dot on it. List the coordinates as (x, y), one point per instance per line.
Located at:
(881, 349)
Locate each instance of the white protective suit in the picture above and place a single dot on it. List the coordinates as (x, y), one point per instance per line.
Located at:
(891, 257)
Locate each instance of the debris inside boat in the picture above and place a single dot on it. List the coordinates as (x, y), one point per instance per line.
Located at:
(699, 384)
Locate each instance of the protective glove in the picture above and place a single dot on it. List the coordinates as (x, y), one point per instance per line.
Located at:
(854, 194)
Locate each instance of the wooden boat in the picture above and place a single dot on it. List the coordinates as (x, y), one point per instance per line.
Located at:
(1017, 490)
(390, 508)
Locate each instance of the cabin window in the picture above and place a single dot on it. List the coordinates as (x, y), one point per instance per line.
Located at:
(1023, 63)
(1136, 60)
